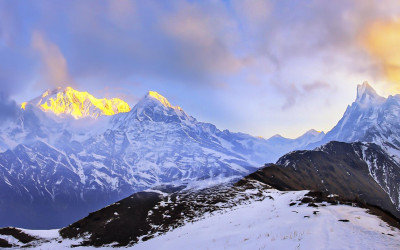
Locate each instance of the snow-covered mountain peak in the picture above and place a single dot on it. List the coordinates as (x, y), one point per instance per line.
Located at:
(311, 135)
(313, 132)
(153, 107)
(276, 136)
(68, 101)
(371, 118)
(153, 95)
(366, 95)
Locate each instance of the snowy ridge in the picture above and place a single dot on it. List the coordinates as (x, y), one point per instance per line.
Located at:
(259, 218)
(68, 101)
(260, 225)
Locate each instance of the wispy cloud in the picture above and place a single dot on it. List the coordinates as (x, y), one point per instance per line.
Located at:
(54, 65)
(201, 38)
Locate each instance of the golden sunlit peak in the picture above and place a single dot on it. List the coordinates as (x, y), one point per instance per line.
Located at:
(162, 99)
(45, 93)
(23, 105)
(79, 104)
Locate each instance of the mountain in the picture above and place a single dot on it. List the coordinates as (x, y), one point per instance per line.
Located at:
(371, 118)
(58, 115)
(280, 145)
(354, 171)
(61, 164)
(169, 209)
(248, 214)
(69, 101)
(66, 168)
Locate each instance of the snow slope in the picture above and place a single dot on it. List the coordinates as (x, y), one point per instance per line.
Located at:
(271, 224)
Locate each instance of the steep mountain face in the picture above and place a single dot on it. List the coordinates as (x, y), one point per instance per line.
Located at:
(77, 104)
(361, 171)
(42, 187)
(371, 118)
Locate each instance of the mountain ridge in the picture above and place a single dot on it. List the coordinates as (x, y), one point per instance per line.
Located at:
(68, 101)
(114, 156)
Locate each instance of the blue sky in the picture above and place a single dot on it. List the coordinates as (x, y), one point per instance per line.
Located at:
(259, 67)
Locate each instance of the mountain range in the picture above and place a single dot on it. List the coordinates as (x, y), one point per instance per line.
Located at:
(175, 171)
(65, 153)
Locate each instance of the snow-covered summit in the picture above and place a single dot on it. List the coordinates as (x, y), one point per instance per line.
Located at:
(153, 95)
(153, 107)
(68, 101)
(367, 96)
(370, 118)
(313, 132)
(311, 135)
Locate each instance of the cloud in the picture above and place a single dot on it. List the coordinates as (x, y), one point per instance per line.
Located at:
(185, 42)
(294, 92)
(315, 86)
(193, 42)
(8, 24)
(8, 108)
(382, 41)
(54, 65)
(201, 35)
(254, 11)
(121, 12)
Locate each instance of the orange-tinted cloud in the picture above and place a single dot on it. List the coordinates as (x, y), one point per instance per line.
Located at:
(203, 38)
(382, 41)
(55, 69)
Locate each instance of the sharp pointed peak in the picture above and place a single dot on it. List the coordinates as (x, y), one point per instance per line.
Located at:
(313, 132)
(366, 94)
(365, 87)
(158, 97)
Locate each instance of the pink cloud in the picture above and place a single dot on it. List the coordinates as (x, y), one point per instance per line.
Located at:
(54, 65)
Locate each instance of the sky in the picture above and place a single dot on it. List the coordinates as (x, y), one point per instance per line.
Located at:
(259, 67)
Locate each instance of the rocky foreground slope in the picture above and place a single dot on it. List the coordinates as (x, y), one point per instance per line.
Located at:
(244, 216)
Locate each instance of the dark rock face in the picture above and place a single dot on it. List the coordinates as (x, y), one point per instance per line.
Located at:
(123, 222)
(338, 168)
